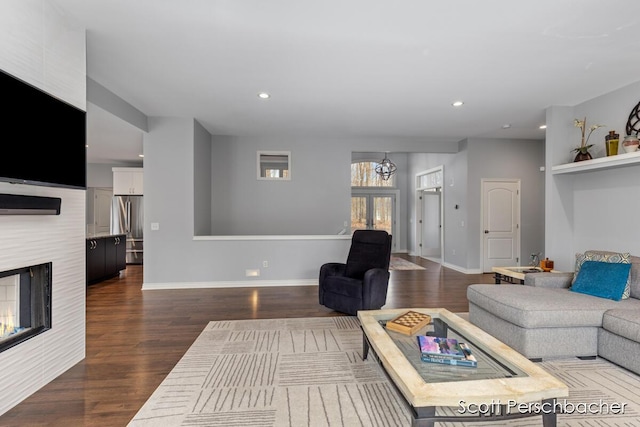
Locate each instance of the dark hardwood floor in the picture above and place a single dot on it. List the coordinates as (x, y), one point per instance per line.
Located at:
(135, 338)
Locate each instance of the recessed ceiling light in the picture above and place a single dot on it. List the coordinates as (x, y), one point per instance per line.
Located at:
(457, 103)
(506, 126)
(264, 95)
(543, 126)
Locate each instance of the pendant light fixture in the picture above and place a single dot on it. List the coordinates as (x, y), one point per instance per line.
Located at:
(385, 168)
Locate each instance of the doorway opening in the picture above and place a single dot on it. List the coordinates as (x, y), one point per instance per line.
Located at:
(431, 224)
(429, 230)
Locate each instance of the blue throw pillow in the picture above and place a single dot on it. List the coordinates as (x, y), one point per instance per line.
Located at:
(602, 279)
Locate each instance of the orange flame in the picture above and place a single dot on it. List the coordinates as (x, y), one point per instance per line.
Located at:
(7, 327)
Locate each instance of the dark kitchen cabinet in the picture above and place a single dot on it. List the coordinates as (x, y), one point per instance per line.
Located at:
(106, 257)
(95, 260)
(121, 253)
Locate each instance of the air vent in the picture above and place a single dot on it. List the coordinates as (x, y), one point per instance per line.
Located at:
(15, 204)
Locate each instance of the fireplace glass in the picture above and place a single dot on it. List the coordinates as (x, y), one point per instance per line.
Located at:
(25, 304)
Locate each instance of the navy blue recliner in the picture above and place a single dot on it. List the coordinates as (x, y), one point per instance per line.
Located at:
(361, 283)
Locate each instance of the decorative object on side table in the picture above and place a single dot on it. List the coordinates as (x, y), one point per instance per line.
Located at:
(630, 143)
(535, 259)
(611, 143)
(546, 265)
(633, 123)
(582, 152)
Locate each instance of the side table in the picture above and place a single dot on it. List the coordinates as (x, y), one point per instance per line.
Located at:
(514, 275)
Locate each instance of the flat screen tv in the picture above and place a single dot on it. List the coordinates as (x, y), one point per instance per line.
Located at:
(44, 138)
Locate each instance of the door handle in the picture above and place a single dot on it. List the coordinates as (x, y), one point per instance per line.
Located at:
(128, 220)
(486, 231)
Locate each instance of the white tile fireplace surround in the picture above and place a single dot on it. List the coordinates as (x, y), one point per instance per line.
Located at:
(42, 45)
(27, 240)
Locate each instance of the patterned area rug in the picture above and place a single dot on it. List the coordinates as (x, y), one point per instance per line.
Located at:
(310, 372)
(398, 263)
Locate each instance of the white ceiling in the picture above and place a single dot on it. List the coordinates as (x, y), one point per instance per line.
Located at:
(357, 67)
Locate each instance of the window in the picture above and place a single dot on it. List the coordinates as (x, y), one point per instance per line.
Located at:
(363, 174)
(373, 200)
(274, 165)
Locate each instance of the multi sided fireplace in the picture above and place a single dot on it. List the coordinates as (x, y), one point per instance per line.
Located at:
(25, 304)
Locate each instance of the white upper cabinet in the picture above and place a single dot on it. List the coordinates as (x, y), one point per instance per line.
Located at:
(127, 181)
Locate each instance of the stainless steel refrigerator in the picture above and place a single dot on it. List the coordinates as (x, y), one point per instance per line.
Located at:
(127, 217)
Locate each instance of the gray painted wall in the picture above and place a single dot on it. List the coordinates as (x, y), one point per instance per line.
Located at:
(317, 199)
(417, 164)
(507, 159)
(173, 258)
(314, 202)
(100, 175)
(463, 173)
(594, 209)
(108, 101)
(202, 174)
(456, 235)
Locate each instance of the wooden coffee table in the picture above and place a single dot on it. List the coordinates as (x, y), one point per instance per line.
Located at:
(504, 385)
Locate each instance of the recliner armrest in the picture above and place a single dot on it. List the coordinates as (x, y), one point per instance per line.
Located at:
(374, 275)
(327, 270)
(374, 287)
(332, 269)
(549, 280)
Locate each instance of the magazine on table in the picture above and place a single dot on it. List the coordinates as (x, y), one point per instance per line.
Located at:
(439, 346)
(445, 351)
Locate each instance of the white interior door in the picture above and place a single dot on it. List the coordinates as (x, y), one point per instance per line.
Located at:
(431, 225)
(102, 210)
(501, 223)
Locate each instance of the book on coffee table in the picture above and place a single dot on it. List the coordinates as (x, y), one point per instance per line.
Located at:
(470, 362)
(445, 351)
(440, 347)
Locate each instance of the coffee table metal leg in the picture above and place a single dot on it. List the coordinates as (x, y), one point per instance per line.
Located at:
(365, 346)
(549, 417)
(424, 417)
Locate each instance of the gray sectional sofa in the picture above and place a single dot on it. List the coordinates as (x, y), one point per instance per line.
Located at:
(545, 319)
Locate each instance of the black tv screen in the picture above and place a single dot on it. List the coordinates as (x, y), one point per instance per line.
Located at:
(44, 138)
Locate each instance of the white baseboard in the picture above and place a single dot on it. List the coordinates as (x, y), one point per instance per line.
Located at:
(230, 284)
(261, 283)
(462, 270)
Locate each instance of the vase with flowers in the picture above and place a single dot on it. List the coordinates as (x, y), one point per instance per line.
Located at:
(582, 152)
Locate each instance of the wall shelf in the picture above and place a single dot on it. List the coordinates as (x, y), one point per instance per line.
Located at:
(609, 162)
